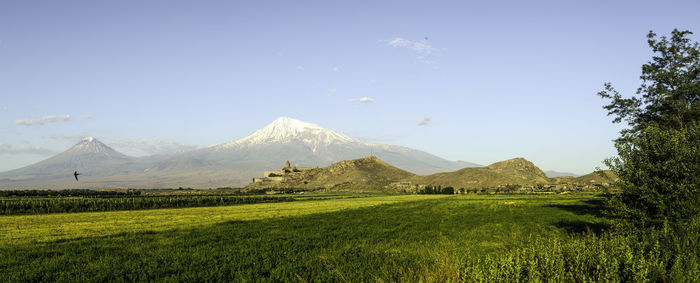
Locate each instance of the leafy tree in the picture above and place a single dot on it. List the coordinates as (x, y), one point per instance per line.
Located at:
(658, 158)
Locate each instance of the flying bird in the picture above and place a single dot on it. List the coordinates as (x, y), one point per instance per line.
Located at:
(76, 175)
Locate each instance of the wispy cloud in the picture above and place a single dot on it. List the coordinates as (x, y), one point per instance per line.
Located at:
(422, 49)
(417, 46)
(43, 120)
(68, 138)
(19, 149)
(332, 91)
(153, 146)
(3, 108)
(425, 121)
(300, 68)
(362, 100)
(336, 69)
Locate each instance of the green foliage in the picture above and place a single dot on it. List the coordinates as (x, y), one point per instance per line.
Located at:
(660, 176)
(437, 190)
(25, 205)
(658, 159)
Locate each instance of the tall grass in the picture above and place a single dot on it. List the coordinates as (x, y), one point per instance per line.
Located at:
(653, 256)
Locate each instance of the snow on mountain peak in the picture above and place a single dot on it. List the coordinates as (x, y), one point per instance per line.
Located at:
(87, 141)
(291, 125)
(285, 129)
(90, 145)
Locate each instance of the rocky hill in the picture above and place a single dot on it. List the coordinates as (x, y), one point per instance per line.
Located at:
(370, 174)
(516, 171)
(367, 174)
(602, 177)
(598, 177)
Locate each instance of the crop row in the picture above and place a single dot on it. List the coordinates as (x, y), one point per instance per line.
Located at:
(14, 206)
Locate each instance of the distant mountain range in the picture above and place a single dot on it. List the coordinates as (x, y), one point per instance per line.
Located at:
(227, 164)
(552, 174)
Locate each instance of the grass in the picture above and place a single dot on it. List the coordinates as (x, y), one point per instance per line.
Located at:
(60, 204)
(386, 238)
(62, 226)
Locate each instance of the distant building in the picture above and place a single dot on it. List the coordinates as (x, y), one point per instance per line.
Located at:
(280, 175)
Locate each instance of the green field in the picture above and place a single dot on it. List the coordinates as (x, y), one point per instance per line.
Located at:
(372, 238)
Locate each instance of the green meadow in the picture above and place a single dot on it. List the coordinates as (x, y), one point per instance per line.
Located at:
(371, 238)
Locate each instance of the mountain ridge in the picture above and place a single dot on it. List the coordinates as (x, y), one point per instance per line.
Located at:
(370, 174)
(226, 164)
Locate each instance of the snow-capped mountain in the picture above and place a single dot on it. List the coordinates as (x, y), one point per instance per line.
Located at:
(307, 144)
(226, 164)
(94, 149)
(284, 130)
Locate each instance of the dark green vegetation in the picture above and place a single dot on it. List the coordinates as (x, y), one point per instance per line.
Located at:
(662, 256)
(37, 202)
(10, 206)
(437, 190)
(68, 193)
(659, 153)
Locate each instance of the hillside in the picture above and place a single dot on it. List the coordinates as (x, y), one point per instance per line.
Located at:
(367, 174)
(516, 171)
(598, 177)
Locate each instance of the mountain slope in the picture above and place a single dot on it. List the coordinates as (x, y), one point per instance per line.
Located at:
(598, 177)
(306, 145)
(89, 156)
(516, 171)
(367, 174)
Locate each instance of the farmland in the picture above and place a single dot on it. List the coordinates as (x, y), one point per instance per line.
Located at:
(368, 238)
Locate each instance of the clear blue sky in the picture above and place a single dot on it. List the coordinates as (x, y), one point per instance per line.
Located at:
(476, 81)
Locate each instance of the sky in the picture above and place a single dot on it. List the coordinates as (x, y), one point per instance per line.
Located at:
(478, 81)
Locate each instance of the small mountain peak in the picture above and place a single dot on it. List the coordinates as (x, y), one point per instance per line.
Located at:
(517, 164)
(90, 145)
(291, 124)
(87, 141)
(511, 162)
(362, 162)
